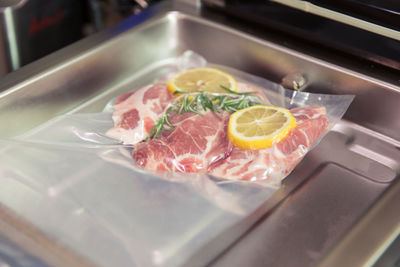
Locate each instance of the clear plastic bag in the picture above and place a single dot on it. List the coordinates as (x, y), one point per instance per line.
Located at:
(184, 141)
(84, 189)
(93, 199)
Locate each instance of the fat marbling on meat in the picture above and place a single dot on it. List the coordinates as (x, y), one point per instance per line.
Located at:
(279, 160)
(198, 143)
(136, 112)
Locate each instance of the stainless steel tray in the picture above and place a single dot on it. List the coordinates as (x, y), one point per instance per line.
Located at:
(329, 204)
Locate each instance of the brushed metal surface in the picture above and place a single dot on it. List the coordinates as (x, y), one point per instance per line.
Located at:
(337, 187)
(8, 57)
(391, 256)
(327, 195)
(23, 245)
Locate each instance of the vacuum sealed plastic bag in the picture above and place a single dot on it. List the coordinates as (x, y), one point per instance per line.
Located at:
(92, 199)
(194, 132)
(110, 187)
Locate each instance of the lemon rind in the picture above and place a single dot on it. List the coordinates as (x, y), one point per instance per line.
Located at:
(263, 142)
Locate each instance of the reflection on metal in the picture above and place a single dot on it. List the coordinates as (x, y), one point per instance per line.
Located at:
(295, 81)
(391, 257)
(219, 3)
(371, 236)
(9, 3)
(323, 12)
(12, 39)
(142, 3)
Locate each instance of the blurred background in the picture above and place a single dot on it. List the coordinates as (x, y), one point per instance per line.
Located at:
(31, 29)
(366, 30)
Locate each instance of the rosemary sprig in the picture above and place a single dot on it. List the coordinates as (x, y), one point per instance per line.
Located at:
(236, 93)
(161, 124)
(203, 101)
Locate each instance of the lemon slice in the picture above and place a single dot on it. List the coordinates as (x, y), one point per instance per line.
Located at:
(201, 79)
(259, 127)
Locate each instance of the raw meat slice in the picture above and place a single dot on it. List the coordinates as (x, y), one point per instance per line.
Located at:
(136, 112)
(199, 143)
(279, 160)
(194, 145)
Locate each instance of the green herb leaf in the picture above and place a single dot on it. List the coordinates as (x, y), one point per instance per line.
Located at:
(236, 93)
(177, 92)
(195, 102)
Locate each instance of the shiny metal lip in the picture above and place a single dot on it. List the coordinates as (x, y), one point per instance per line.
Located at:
(52, 86)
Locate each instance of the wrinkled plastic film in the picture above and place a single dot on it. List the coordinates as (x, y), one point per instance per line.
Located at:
(267, 166)
(83, 188)
(92, 199)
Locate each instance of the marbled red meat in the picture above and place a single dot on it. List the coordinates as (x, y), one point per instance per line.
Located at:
(198, 143)
(279, 160)
(194, 145)
(136, 112)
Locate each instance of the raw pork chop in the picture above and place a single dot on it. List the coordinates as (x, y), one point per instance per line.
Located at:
(199, 143)
(136, 112)
(279, 160)
(194, 145)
